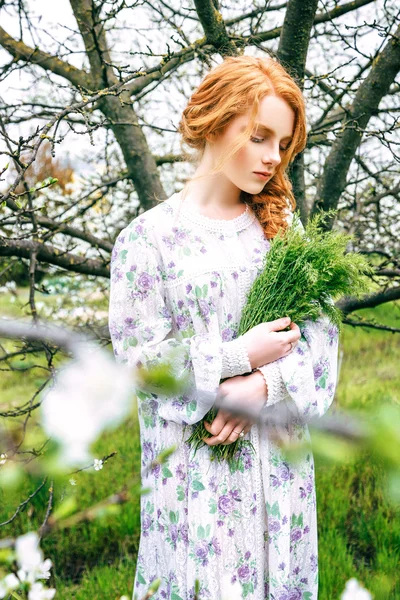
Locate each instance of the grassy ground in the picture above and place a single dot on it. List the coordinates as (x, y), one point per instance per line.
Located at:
(359, 532)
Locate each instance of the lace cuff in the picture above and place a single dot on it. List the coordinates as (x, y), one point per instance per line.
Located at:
(273, 378)
(235, 360)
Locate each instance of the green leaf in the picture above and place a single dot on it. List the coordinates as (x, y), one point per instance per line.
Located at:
(198, 486)
(191, 407)
(166, 472)
(198, 292)
(180, 273)
(65, 509)
(173, 517)
(130, 276)
(200, 532)
(187, 251)
(142, 395)
(140, 579)
(275, 510)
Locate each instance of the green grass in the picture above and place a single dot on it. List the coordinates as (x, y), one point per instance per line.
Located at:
(359, 531)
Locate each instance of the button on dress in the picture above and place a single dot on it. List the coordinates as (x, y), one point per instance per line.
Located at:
(179, 282)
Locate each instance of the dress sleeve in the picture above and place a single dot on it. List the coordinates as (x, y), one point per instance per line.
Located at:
(307, 376)
(141, 328)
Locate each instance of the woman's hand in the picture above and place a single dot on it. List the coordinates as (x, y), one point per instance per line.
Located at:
(249, 391)
(266, 342)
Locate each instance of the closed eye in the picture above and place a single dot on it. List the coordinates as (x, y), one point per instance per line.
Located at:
(259, 140)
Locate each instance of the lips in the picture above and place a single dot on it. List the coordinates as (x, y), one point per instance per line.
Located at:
(262, 174)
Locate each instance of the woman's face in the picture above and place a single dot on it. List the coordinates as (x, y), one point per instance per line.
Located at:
(262, 153)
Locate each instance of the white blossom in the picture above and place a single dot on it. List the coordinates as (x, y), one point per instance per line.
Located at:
(72, 481)
(3, 458)
(90, 394)
(230, 591)
(354, 591)
(98, 464)
(29, 555)
(39, 592)
(30, 559)
(8, 584)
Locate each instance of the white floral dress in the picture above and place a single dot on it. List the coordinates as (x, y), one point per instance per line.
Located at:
(179, 281)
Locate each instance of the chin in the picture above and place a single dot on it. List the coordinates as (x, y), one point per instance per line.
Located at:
(253, 189)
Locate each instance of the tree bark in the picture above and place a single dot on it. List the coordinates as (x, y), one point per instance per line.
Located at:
(140, 163)
(376, 85)
(54, 256)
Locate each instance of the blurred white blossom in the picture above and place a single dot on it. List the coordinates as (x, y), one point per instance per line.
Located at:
(3, 458)
(72, 481)
(91, 393)
(30, 559)
(230, 591)
(355, 591)
(8, 584)
(39, 592)
(98, 464)
(32, 567)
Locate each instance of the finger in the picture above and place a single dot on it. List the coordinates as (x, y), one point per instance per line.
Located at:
(278, 324)
(219, 422)
(244, 426)
(224, 433)
(293, 335)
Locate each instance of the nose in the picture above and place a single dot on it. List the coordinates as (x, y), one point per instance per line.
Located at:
(272, 155)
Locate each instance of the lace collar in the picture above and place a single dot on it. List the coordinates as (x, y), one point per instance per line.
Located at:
(190, 213)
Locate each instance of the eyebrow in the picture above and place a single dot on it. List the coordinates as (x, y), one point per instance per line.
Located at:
(262, 127)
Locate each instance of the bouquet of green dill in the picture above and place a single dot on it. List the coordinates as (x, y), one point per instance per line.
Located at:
(303, 272)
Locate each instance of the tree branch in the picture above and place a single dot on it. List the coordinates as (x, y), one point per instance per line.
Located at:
(324, 17)
(21, 51)
(140, 163)
(348, 305)
(214, 28)
(376, 85)
(371, 325)
(292, 53)
(54, 256)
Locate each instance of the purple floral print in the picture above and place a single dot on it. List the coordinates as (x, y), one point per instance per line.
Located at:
(175, 291)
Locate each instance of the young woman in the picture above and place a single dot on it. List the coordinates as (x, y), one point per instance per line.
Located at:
(179, 277)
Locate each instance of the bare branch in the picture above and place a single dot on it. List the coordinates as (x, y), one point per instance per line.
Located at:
(349, 305)
(54, 256)
(370, 325)
(292, 52)
(366, 101)
(35, 56)
(214, 27)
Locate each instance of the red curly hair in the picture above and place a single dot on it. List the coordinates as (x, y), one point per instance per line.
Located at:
(229, 90)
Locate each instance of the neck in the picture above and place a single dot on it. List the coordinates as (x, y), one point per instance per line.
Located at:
(213, 192)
